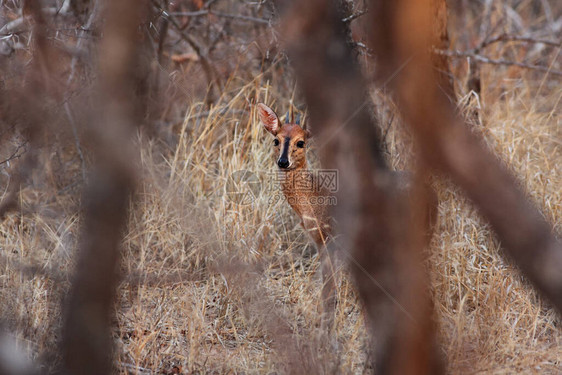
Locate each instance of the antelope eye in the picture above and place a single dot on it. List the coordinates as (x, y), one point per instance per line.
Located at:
(300, 144)
(276, 142)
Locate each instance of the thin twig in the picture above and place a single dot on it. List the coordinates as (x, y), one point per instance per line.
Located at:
(200, 13)
(487, 60)
(363, 48)
(516, 38)
(263, 21)
(16, 154)
(197, 13)
(354, 16)
(207, 67)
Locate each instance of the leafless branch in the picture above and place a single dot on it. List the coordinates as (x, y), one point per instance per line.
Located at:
(210, 72)
(517, 38)
(18, 152)
(12, 26)
(487, 60)
(204, 12)
(263, 21)
(197, 13)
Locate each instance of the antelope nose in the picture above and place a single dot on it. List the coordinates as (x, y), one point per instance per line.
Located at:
(283, 162)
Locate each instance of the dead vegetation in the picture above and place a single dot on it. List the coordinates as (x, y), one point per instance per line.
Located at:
(209, 285)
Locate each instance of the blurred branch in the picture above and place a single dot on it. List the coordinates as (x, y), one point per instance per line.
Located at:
(14, 25)
(448, 146)
(14, 360)
(210, 72)
(87, 345)
(487, 60)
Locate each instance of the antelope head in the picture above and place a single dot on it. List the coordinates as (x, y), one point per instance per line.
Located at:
(290, 139)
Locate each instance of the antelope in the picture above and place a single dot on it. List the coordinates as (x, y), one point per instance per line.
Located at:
(289, 143)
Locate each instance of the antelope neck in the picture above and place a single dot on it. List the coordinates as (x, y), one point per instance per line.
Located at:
(291, 178)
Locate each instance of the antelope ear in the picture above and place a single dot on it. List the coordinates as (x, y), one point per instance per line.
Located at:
(268, 118)
(308, 133)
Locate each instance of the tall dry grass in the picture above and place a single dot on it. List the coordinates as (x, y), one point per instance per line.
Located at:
(213, 285)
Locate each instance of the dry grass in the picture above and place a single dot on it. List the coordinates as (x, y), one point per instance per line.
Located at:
(212, 286)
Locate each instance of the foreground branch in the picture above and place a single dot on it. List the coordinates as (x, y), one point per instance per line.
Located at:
(448, 146)
(87, 344)
(373, 215)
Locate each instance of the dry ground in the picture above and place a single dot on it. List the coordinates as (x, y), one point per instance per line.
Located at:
(214, 286)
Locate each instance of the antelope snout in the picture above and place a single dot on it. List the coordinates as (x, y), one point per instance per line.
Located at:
(283, 163)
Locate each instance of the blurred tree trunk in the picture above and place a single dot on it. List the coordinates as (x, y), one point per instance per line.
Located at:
(446, 144)
(379, 238)
(382, 38)
(440, 41)
(87, 343)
